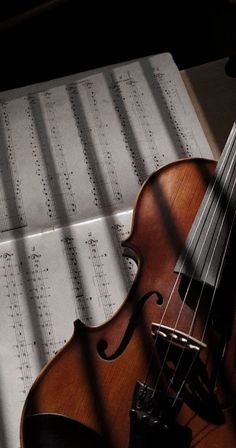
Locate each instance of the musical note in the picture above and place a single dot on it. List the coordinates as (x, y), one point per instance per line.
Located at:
(73, 157)
(55, 179)
(62, 172)
(82, 302)
(12, 213)
(12, 292)
(129, 99)
(128, 266)
(39, 294)
(100, 276)
(41, 169)
(138, 164)
(100, 165)
(166, 91)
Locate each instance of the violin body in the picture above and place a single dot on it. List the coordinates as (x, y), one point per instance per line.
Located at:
(93, 379)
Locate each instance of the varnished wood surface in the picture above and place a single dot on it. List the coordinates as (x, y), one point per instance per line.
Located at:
(98, 392)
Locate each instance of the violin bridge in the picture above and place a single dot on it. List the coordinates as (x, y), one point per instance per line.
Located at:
(177, 337)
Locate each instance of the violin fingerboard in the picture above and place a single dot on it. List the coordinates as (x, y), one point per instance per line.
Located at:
(208, 241)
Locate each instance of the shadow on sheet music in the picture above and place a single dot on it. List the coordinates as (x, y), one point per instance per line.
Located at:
(14, 220)
(59, 429)
(169, 112)
(93, 165)
(166, 111)
(61, 211)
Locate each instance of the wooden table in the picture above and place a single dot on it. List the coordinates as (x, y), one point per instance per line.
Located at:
(213, 94)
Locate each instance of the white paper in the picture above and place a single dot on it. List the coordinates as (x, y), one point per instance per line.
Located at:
(73, 157)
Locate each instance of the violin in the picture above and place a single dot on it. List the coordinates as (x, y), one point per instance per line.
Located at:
(161, 371)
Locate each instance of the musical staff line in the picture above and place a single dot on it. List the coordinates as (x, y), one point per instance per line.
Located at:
(82, 302)
(100, 276)
(12, 213)
(12, 292)
(128, 266)
(39, 295)
(166, 91)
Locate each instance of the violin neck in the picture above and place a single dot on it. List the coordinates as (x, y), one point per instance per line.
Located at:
(208, 241)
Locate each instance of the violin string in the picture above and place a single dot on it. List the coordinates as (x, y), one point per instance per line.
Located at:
(207, 272)
(175, 286)
(212, 191)
(221, 267)
(205, 282)
(222, 262)
(209, 198)
(201, 218)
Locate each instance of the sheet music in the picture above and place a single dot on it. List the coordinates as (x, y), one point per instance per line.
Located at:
(73, 156)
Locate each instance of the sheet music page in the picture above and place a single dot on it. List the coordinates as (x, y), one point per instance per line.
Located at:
(73, 157)
(48, 281)
(82, 149)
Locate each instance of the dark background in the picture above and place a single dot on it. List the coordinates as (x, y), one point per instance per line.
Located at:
(45, 39)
